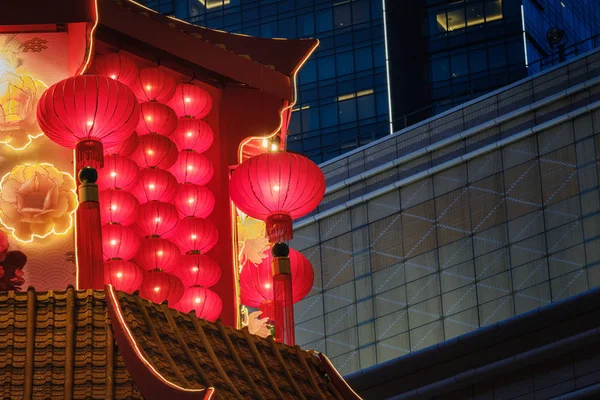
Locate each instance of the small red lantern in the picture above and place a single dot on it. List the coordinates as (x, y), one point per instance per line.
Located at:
(157, 253)
(194, 201)
(154, 84)
(193, 134)
(156, 118)
(191, 101)
(155, 151)
(119, 242)
(3, 245)
(155, 185)
(195, 235)
(118, 207)
(156, 219)
(116, 66)
(125, 148)
(277, 188)
(118, 173)
(192, 167)
(197, 270)
(256, 282)
(123, 275)
(86, 112)
(206, 303)
(159, 286)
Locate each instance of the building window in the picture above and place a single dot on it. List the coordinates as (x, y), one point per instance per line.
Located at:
(459, 15)
(214, 3)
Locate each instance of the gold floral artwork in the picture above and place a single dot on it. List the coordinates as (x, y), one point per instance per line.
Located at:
(37, 201)
(252, 243)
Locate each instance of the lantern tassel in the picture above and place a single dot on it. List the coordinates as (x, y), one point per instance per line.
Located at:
(279, 228)
(283, 306)
(267, 309)
(90, 153)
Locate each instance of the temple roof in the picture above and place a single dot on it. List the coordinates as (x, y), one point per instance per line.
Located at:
(66, 345)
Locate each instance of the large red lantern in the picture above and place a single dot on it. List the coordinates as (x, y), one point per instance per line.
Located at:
(155, 151)
(118, 206)
(157, 253)
(156, 118)
(193, 134)
(197, 270)
(119, 242)
(155, 185)
(86, 112)
(194, 201)
(204, 302)
(156, 219)
(159, 286)
(125, 148)
(195, 235)
(154, 84)
(123, 275)
(116, 66)
(192, 167)
(118, 173)
(277, 188)
(191, 101)
(256, 282)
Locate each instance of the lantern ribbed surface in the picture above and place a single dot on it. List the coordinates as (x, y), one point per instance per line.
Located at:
(156, 218)
(125, 148)
(191, 101)
(156, 118)
(118, 173)
(195, 235)
(155, 185)
(155, 151)
(192, 167)
(118, 206)
(157, 253)
(206, 303)
(193, 134)
(117, 66)
(159, 286)
(123, 275)
(119, 241)
(194, 201)
(154, 84)
(197, 270)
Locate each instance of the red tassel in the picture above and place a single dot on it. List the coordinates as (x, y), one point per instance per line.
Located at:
(283, 301)
(279, 228)
(90, 153)
(267, 310)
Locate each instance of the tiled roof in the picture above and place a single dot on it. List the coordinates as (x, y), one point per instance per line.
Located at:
(65, 345)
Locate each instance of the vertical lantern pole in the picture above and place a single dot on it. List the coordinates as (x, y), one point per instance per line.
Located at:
(89, 232)
(282, 295)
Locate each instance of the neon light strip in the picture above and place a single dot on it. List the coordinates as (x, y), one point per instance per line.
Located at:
(387, 67)
(524, 36)
(117, 308)
(90, 49)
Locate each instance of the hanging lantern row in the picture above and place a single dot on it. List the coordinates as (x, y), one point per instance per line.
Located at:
(155, 185)
(204, 302)
(194, 201)
(192, 167)
(125, 148)
(193, 134)
(159, 286)
(118, 173)
(119, 242)
(123, 275)
(118, 207)
(156, 118)
(155, 151)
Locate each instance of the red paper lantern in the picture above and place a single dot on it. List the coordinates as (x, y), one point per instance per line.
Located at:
(119, 242)
(116, 66)
(118, 173)
(86, 112)
(195, 235)
(192, 167)
(156, 118)
(125, 148)
(191, 101)
(194, 201)
(159, 286)
(256, 282)
(154, 84)
(277, 188)
(206, 303)
(197, 270)
(155, 151)
(118, 206)
(155, 185)
(3, 245)
(193, 134)
(123, 275)
(157, 253)
(156, 219)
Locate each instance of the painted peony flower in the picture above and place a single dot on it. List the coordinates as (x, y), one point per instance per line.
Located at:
(252, 242)
(37, 200)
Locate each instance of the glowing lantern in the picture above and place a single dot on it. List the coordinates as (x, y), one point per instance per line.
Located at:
(159, 286)
(86, 112)
(277, 188)
(119, 242)
(118, 173)
(206, 303)
(197, 235)
(154, 84)
(155, 185)
(123, 275)
(155, 151)
(191, 101)
(156, 118)
(193, 134)
(194, 201)
(118, 207)
(256, 282)
(197, 270)
(116, 66)
(125, 148)
(156, 219)
(192, 167)
(157, 253)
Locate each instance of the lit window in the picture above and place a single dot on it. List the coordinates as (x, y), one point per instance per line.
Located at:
(476, 14)
(214, 3)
